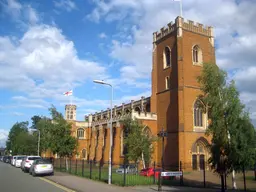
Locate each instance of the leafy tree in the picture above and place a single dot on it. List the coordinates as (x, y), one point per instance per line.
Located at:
(61, 140)
(26, 144)
(20, 141)
(137, 143)
(16, 129)
(35, 119)
(229, 125)
(44, 126)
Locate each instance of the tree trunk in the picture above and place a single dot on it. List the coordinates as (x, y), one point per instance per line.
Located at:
(66, 164)
(222, 183)
(143, 161)
(233, 180)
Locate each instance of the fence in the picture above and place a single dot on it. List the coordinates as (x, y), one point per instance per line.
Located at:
(131, 175)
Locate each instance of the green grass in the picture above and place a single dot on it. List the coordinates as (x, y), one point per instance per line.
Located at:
(117, 179)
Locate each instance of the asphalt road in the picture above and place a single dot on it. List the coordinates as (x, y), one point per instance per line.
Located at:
(13, 179)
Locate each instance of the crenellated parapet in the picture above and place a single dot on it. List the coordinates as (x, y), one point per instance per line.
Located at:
(139, 108)
(180, 25)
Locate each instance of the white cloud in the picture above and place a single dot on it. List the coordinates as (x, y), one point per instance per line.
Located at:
(36, 63)
(3, 137)
(102, 35)
(67, 5)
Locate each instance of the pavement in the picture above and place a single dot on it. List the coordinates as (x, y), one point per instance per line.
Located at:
(13, 179)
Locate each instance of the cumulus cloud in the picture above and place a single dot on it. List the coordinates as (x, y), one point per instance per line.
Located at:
(40, 60)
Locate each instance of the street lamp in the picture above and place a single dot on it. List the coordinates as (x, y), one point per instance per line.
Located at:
(110, 127)
(38, 144)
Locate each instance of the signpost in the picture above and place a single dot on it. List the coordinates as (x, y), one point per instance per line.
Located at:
(162, 134)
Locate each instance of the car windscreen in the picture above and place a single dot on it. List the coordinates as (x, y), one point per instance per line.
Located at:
(33, 158)
(19, 158)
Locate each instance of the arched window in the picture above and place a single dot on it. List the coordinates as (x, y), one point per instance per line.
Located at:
(167, 82)
(167, 57)
(199, 116)
(137, 109)
(197, 56)
(119, 114)
(80, 133)
(84, 153)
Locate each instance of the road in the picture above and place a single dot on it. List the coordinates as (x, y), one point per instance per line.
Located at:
(13, 179)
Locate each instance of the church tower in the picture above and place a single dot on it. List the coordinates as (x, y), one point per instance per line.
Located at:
(179, 51)
(70, 112)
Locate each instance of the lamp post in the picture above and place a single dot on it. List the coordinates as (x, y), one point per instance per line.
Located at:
(38, 143)
(110, 127)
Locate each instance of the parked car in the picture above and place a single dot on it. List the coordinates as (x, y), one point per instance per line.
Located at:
(41, 167)
(7, 159)
(27, 162)
(13, 160)
(149, 172)
(128, 169)
(19, 160)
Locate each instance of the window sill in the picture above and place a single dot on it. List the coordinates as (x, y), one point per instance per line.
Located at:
(198, 64)
(165, 68)
(199, 129)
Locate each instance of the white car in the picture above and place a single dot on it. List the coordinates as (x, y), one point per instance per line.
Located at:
(41, 167)
(19, 160)
(13, 160)
(28, 161)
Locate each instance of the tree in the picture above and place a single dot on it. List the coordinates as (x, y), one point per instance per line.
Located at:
(137, 143)
(61, 140)
(44, 126)
(229, 125)
(20, 141)
(35, 119)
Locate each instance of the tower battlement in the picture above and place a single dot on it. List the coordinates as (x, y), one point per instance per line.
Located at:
(180, 25)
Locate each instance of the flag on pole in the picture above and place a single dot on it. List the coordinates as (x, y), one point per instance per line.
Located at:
(68, 93)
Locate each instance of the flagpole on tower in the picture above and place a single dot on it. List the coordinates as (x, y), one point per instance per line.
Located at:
(181, 8)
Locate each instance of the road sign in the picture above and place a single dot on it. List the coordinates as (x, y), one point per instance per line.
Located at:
(172, 173)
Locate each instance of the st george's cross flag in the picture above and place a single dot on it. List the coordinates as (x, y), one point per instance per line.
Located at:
(68, 93)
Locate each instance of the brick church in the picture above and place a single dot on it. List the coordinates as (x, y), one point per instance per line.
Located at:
(179, 50)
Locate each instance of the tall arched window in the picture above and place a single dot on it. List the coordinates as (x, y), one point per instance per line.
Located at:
(167, 57)
(198, 114)
(197, 56)
(80, 133)
(84, 153)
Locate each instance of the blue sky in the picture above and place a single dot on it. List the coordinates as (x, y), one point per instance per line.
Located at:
(49, 47)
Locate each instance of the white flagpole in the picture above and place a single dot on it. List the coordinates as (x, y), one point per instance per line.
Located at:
(181, 8)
